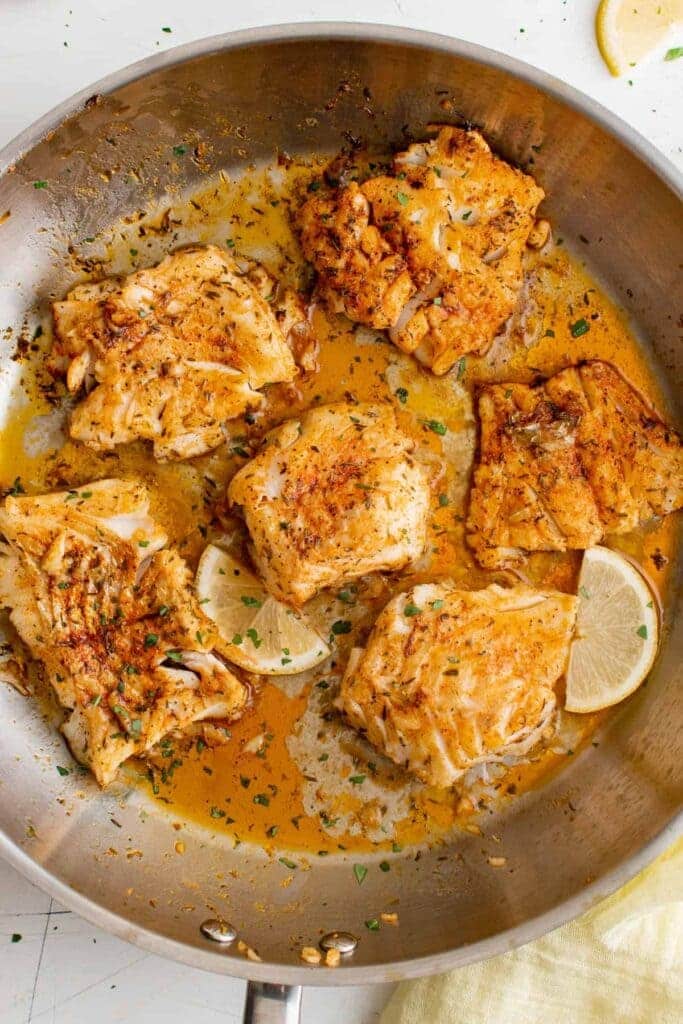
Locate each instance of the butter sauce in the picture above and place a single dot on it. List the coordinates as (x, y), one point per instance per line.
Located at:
(290, 776)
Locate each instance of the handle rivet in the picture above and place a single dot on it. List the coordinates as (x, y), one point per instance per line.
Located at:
(218, 931)
(344, 942)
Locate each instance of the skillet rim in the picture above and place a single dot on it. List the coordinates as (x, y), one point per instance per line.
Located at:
(393, 971)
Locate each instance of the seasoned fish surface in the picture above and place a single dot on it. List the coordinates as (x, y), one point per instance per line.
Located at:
(450, 679)
(433, 253)
(172, 351)
(114, 620)
(332, 496)
(565, 462)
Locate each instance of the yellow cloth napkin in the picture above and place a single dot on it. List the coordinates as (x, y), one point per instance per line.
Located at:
(621, 963)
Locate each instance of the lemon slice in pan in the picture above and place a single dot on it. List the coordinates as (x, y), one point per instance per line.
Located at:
(263, 635)
(617, 631)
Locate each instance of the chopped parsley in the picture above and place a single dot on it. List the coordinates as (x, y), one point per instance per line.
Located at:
(436, 605)
(151, 640)
(642, 631)
(357, 780)
(584, 593)
(175, 655)
(443, 500)
(250, 602)
(402, 198)
(237, 639)
(462, 366)
(411, 609)
(254, 637)
(63, 771)
(436, 426)
(179, 150)
(287, 863)
(17, 487)
(341, 626)
(40, 184)
(263, 799)
(216, 812)
(360, 871)
(402, 395)
(372, 925)
(384, 865)
(579, 328)
(674, 53)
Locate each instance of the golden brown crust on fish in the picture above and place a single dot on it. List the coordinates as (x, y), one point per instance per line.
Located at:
(564, 462)
(450, 679)
(114, 620)
(332, 496)
(173, 351)
(433, 252)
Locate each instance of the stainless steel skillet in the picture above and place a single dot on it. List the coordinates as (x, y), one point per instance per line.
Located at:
(297, 89)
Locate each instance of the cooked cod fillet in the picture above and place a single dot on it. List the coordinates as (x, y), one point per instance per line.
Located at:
(432, 253)
(114, 620)
(450, 679)
(172, 351)
(332, 495)
(567, 461)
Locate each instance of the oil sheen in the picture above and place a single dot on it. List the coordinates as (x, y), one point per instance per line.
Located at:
(289, 775)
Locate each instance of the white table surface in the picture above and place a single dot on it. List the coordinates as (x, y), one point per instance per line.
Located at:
(65, 971)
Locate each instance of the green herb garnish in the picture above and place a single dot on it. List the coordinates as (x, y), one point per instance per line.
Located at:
(436, 426)
(360, 871)
(579, 328)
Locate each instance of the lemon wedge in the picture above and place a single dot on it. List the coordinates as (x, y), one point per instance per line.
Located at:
(262, 635)
(627, 30)
(617, 631)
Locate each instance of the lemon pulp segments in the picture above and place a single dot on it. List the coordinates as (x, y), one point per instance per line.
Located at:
(261, 634)
(616, 632)
(626, 31)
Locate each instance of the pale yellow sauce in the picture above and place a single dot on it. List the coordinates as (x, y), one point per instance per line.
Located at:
(217, 786)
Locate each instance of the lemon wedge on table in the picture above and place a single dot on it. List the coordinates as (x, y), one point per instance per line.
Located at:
(263, 635)
(627, 30)
(617, 631)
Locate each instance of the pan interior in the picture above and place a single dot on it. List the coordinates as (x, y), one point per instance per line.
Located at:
(234, 108)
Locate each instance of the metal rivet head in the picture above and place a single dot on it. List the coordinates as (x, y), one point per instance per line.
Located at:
(345, 942)
(218, 931)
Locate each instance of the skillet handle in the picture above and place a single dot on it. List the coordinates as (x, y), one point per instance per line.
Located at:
(272, 1004)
